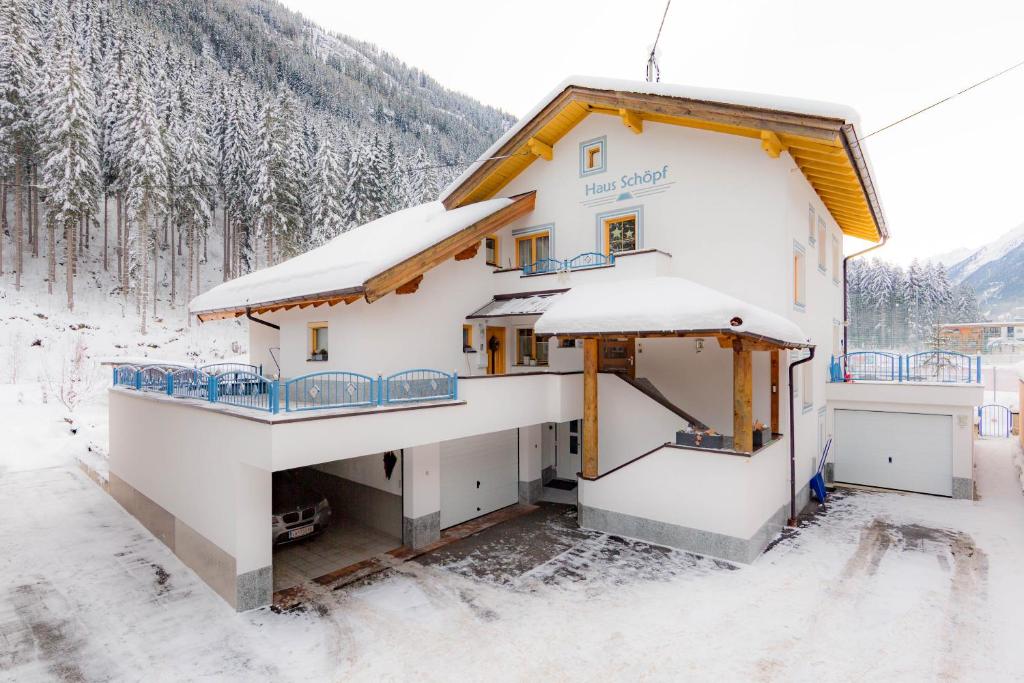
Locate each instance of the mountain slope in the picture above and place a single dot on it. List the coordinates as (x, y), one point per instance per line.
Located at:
(996, 272)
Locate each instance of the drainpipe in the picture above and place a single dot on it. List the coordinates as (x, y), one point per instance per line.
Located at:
(846, 290)
(792, 440)
(250, 316)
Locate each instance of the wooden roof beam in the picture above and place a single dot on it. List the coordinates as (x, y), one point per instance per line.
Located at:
(632, 120)
(771, 144)
(540, 149)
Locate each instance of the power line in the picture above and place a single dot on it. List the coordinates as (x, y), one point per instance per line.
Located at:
(946, 99)
(653, 72)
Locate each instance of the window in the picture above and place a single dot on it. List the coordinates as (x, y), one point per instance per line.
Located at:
(837, 256)
(821, 245)
(532, 248)
(620, 233)
(574, 437)
(530, 350)
(807, 380)
(467, 337)
(592, 157)
(317, 341)
(491, 255)
(799, 277)
(810, 225)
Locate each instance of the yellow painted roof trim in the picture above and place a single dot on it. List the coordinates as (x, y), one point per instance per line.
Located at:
(824, 149)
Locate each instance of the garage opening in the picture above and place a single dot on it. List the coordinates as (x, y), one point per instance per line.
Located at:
(331, 516)
(479, 474)
(895, 450)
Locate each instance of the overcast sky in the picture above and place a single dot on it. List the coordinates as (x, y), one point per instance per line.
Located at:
(949, 178)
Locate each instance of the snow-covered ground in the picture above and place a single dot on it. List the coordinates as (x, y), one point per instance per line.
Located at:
(885, 586)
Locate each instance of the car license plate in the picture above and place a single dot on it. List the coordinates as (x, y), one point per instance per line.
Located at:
(300, 532)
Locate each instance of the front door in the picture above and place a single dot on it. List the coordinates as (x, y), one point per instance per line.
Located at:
(495, 350)
(617, 356)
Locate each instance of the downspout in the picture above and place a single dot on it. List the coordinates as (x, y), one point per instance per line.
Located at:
(846, 289)
(250, 316)
(792, 440)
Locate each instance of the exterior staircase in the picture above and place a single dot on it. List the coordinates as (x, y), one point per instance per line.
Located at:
(645, 386)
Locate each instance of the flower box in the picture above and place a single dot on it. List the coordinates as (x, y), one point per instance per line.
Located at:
(699, 439)
(761, 437)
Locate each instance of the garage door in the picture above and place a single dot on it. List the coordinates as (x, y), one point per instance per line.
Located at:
(906, 451)
(479, 474)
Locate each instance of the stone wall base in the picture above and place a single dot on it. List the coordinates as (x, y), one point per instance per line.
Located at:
(421, 531)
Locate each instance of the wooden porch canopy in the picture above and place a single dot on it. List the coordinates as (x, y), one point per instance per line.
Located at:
(673, 307)
(388, 255)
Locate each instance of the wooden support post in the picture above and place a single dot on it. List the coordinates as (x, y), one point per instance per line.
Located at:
(775, 391)
(742, 399)
(589, 408)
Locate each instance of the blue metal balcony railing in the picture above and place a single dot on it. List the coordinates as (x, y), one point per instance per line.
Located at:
(317, 391)
(947, 367)
(588, 259)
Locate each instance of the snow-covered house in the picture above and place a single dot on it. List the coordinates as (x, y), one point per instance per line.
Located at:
(629, 261)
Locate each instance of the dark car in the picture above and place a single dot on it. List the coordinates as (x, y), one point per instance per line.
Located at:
(298, 510)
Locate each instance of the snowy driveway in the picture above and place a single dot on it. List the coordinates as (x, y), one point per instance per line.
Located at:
(885, 586)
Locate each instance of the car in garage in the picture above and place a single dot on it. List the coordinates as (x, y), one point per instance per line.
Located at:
(299, 511)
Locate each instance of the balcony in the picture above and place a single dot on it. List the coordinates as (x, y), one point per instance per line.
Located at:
(241, 385)
(938, 367)
(584, 267)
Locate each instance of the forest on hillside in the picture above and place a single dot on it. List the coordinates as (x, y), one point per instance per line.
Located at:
(146, 130)
(895, 308)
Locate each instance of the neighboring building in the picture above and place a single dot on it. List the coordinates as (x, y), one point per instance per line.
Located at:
(629, 260)
(983, 337)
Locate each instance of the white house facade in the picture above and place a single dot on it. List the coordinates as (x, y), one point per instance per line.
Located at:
(630, 261)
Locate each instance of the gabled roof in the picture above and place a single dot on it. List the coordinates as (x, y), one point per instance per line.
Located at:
(821, 137)
(658, 306)
(368, 261)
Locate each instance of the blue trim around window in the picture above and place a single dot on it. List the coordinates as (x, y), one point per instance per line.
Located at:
(600, 218)
(603, 143)
(523, 232)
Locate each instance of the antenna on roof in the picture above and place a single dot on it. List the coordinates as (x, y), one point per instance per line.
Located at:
(653, 72)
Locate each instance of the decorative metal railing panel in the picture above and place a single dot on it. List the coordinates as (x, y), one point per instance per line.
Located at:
(420, 385)
(927, 366)
(873, 366)
(244, 389)
(994, 421)
(223, 368)
(329, 390)
(189, 383)
(152, 378)
(124, 375)
(589, 259)
(544, 265)
(939, 366)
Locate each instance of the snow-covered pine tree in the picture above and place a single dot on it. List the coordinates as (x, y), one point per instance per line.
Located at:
(18, 74)
(146, 194)
(69, 147)
(194, 177)
(327, 186)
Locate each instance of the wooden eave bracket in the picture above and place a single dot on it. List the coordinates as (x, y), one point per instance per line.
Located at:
(632, 120)
(771, 144)
(411, 286)
(540, 149)
(468, 253)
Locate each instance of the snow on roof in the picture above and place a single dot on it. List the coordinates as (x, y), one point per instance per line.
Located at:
(351, 258)
(520, 304)
(662, 304)
(778, 103)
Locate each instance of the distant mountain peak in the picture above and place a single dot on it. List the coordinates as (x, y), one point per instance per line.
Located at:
(996, 271)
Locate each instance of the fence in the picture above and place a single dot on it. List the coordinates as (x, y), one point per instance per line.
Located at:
(588, 259)
(927, 366)
(317, 391)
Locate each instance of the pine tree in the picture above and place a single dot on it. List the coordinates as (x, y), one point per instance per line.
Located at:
(17, 82)
(194, 178)
(146, 194)
(70, 150)
(326, 191)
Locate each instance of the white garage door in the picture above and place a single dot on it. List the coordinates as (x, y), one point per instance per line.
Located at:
(479, 474)
(906, 451)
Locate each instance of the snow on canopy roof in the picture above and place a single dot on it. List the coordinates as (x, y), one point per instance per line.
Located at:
(662, 304)
(351, 258)
(791, 105)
